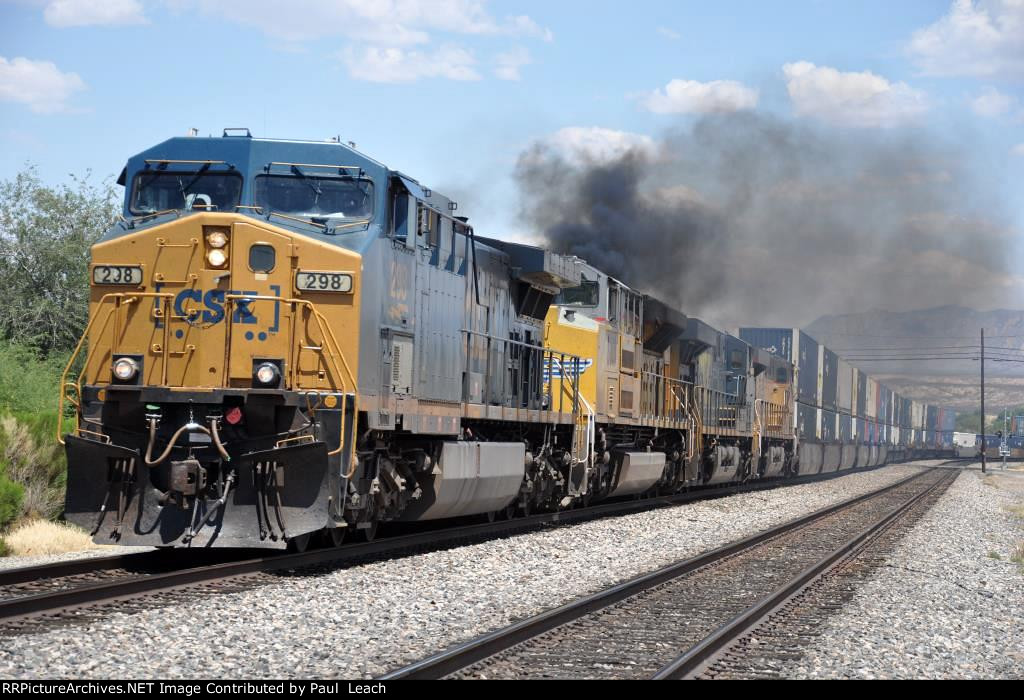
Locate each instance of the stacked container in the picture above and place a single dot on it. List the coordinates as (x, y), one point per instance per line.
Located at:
(839, 405)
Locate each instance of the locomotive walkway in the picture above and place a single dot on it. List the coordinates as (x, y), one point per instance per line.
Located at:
(676, 622)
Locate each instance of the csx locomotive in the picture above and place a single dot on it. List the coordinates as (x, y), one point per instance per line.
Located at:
(287, 338)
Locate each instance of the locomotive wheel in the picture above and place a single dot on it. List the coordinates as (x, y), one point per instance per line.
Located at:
(509, 512)
(299, 543)
(336, 535)
(368, 534)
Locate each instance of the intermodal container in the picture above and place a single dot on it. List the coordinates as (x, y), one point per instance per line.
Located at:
(828, 426)
(829, 379)
(845, 384)
(845, 427)
(807, 421)
(862, 394)
(797, 347)
(871, 400)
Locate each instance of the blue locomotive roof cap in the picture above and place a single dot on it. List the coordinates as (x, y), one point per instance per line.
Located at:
(251, 155)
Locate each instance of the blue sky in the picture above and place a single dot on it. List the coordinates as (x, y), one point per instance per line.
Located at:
(453, 91)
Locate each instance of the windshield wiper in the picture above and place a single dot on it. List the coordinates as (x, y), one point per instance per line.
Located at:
(186, 188)
(313, 183)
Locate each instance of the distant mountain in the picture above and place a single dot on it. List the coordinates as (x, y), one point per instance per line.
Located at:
(892, 346)
(873, 340)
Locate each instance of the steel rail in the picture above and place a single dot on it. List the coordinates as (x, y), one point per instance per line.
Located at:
(691, 663)
(468, 653)
(160, 558)
(62, 569)
(89, 594)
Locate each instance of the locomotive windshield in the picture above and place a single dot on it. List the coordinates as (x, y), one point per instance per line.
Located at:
(203, 191)
(586, 294)
(315, 197)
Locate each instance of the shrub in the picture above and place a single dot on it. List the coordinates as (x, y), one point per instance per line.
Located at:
(33, 459)
(45, 236)
(10, 500)
(28, 381)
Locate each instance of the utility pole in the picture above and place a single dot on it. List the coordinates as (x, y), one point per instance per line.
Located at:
(1004, 447)
(984, 444)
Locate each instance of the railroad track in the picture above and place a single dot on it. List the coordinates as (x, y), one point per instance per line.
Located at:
(673, 622)
(52, 594)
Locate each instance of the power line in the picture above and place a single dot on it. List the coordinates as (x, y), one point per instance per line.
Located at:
(909, 347)
(928, 348)
(912, 337)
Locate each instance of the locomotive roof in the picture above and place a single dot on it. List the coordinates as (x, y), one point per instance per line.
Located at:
(248, 154)
(250, 157)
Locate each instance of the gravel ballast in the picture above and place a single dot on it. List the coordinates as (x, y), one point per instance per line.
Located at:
(948, 601)
(364, 620)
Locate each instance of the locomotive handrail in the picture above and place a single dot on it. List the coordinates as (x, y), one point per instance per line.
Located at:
(651, 407)
(775, 415)
(333, 354)
(295, 218)
(581, 442)
(547, 357)
(118, 297)
(313, 165)
(690, 420)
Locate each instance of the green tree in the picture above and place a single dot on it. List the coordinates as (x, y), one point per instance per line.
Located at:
(969, 422)
(45, 236)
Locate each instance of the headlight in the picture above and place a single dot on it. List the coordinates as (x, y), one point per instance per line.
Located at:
(217, 239)
(267, 374)
(217, 257)
(125, 369)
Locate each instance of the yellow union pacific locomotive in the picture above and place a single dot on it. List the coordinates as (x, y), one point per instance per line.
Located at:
(288, 338)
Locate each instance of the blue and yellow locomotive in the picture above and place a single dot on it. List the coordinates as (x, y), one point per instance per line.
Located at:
(287, 338)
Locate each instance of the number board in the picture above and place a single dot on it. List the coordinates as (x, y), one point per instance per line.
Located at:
(315, 281)
(117, 274)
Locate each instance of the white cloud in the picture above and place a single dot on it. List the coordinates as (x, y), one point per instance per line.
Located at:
(670, 34)
(509, 64)
(851, 99)
(579, 144)
(82, 13)
(691, 96)
(388, 40)
(973, 39)
(391, 22)
(1018, 150)
(524, 26)
(38, 84)
(396, 65)
(992, 103)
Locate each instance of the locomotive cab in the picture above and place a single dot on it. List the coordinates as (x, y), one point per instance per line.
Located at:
(215, 390)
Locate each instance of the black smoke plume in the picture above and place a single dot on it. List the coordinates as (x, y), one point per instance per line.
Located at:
(746, 219)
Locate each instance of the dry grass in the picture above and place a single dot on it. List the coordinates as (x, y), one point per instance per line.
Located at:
(1018, 555)
(36, 537)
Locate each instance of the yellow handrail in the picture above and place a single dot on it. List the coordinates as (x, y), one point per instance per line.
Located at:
(333, 354)
(129, 297)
